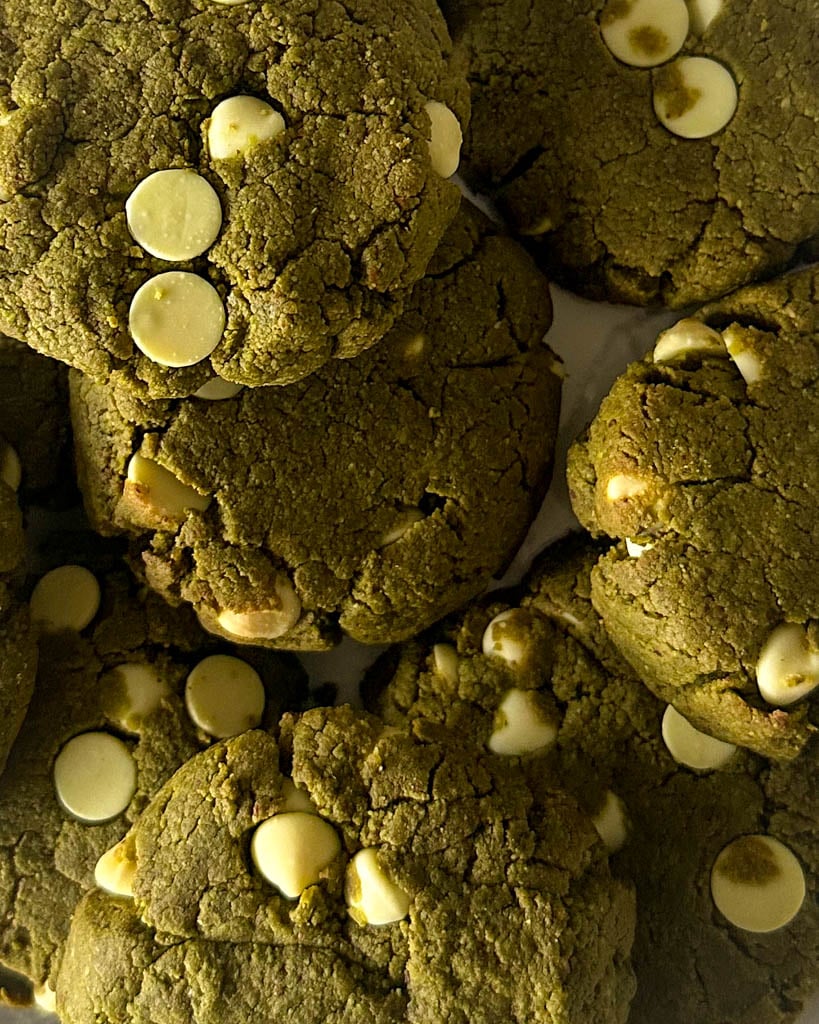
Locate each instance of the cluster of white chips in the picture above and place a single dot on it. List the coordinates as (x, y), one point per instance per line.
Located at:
(177, 318)
(694, 97)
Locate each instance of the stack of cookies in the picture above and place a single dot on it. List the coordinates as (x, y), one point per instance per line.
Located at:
(311, 398)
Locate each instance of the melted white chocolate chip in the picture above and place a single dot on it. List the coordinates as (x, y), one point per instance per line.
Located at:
(95, 776)
(757, 883)
(291, 850)
(445, 662)
(623, 485)
(11, 472)
(176, 318)
(68, 597)
(217, 390)
(695, 97)
(224, 696)
(296, 799)
(264, 623)
(174, 214)
(158, 488)
(520, 726)
(239, 123)
(691, 747)
(644, 33)
(702, 13)
(688, 337)
(445, 138)
(635, 548)
(787, 669)
(506, 637)
(746, 361)
(45, 997)
(142, 693)
(115, 870)
(611, 822)
(405, 520)
(372, 896)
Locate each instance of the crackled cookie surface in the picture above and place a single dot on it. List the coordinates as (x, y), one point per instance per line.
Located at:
(124, 695)
(371, 498)
(193, 188)
(719, 844)
(704, 462)
(649, 150)
(391, 878)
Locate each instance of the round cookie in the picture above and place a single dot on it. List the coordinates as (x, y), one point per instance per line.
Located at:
(704, 461)
(533, 677)
(371, 498)
(118, 705)
(649, 150)
(192, 188)
(500, 903)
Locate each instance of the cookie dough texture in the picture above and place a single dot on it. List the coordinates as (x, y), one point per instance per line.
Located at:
(565, 139)
(513, 914)
(47, 857)
(324, 227)
(18, 648)
(711, 463)
(689, 962)
(371, 498)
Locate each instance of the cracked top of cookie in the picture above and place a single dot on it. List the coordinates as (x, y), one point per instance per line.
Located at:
(261, 873)
(191, 188)
(127, 690)
(649, 150)
(703, 461)
(371, 498)
(531, 677)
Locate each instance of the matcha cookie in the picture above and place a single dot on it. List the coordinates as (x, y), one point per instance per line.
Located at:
(704, 461)
(18, 648)
(397, 881)
(371, 498)
(127, 689)
(193, 188)
(534, 678)
(649, 150)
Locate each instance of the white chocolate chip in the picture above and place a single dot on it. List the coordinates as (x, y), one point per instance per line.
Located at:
(68, 597)
(520, 726)
(265, 623)
(45, 997)
(372, 896)
(11, 472)
(611, 822)
(239, 123)
(686, 338)
(413, 347)
(174, 214)
(115, 870)
(695, 97)
(691, 747)
(161, 491)
(445, 138)
(445, 662)
(757, 883)
(787, 669)
(506, 637)
(291, 850)
(296, 799)
(622, 485)
(217, 390)
(745, 360)
(702, 13)
(142, 693)
(176, 318)
(95, 776)
(224, 696)
(644, 33)
(407, 518)
(635, 549)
